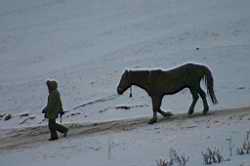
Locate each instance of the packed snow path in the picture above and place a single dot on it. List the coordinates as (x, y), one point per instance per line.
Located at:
(16, 138)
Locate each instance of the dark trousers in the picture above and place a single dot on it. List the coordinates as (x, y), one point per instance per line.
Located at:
(53, 127)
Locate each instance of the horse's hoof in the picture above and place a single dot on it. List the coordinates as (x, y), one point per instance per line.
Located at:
(168, 114)
(205, 112)
(152, 121)
(190, 112)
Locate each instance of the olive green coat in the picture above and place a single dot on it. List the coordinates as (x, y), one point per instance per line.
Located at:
(54, 104)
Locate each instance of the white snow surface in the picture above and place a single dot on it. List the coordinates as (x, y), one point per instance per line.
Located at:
(142, 146)
(87, 44)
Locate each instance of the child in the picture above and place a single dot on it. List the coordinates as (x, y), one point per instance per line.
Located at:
(53, 108)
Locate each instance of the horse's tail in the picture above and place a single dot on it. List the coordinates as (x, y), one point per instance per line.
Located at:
(209, 81)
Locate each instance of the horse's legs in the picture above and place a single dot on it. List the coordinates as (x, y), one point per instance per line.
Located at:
(156, 103)
(163, 113)
(195, 98)
(203, 96)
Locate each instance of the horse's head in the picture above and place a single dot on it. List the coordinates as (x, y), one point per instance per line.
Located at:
(124, 83)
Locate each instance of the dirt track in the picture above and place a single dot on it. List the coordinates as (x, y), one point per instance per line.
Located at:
(17, 138)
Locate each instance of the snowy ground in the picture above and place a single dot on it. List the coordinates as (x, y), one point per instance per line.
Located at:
(87, 44)
(132, 142)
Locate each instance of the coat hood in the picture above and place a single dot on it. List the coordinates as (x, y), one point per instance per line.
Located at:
(52, 85)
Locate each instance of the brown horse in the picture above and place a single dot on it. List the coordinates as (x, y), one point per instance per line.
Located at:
(158, 83)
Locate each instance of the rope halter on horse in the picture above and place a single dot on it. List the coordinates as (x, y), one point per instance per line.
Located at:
(130, 93)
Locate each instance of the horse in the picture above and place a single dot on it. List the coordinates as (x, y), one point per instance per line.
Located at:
(158, 83)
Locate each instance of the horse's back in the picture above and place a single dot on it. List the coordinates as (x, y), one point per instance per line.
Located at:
(184, 71)
(188, 72)
(189, 66)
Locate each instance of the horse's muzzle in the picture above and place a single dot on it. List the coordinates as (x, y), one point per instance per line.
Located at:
(119, 90)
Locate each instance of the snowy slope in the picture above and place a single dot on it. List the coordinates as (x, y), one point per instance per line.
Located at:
(135, 144)
(87, 44)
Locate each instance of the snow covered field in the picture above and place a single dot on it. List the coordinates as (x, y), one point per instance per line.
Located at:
(132, 142)
(87, 44)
